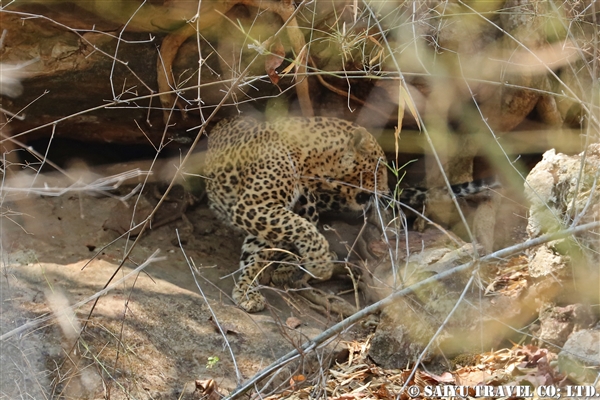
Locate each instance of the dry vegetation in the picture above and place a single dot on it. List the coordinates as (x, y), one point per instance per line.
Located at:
(470, 88)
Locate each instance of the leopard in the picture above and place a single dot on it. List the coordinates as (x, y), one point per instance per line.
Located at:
(273, 179)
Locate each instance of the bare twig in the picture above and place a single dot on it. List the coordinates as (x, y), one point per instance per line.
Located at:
(100, 185)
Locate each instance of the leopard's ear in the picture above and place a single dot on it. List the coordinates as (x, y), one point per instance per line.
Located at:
(362, 141)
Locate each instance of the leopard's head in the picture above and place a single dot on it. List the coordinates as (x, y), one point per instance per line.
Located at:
(360, 174)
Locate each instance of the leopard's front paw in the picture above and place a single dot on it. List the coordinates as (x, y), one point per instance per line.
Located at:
(286, 274)
(250, 300)
(321, 271)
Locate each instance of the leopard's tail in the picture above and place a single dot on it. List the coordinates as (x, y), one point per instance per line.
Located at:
(418, 197)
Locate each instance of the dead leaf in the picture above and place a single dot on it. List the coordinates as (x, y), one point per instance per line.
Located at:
(407, 100)
(433, 379)
(293, 322)
(297, 61)
(296, 379)
(207, 389)
(273, 60)
(379, 53)
(383, 393)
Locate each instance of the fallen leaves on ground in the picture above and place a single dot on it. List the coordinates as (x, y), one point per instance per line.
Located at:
(359, 378)
(511, 280)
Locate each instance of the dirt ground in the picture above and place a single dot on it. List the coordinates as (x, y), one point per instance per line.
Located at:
(155, 332)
